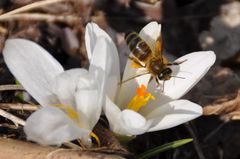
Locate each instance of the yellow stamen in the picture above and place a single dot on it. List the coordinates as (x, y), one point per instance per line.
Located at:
(141, 99)
(141, 91)
(75, 116)
(93, 135)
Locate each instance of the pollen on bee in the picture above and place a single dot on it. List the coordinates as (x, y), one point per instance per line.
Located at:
(135, 65)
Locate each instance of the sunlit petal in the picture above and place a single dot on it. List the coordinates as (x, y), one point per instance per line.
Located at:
(105, 65)
(93, 32)
(34, 67)
(173, 114)
(192, 70)
(87, 100)
(126, 122)
(51, 126)
(150, 33)
(131, 123)
(65, 85)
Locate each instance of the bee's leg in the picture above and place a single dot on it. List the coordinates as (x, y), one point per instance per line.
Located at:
(151, 78)
(177, 62)
(157, 81)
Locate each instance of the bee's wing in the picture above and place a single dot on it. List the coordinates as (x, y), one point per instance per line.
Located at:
(158, 47)
(159, 50)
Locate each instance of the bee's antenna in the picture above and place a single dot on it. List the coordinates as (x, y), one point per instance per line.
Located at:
(145, 73)
(178, 77)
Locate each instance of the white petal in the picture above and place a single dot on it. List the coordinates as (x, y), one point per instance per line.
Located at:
(51, 126)
(131, 123)
(112, 112)
(192, 70)
(91, 35)
(34, 67)
(125, 122)
(150, 33)
(65, 85)
(173, 114)
(160, 99)
(105, 64)
(88, 103)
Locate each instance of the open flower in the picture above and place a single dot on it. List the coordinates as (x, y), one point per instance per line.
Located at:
(71, 100)
(137, 107)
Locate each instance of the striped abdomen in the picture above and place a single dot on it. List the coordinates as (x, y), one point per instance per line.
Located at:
(138, 46)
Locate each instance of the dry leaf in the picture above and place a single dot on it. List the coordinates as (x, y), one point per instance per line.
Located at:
(229, 110)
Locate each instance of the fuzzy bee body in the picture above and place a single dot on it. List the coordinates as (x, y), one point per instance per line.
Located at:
(153, 60)
(138, 46)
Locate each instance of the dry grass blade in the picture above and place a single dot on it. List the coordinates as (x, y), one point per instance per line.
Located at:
(41, 17)
(32, 6)
(10, 87)
(13, 118)
(18, 106)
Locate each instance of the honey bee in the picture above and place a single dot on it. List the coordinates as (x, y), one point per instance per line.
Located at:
(153, 60)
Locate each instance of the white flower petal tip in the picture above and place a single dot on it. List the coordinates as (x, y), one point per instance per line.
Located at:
(208, 58)
(93, 32)
(150, 33)
(51, 126)
(174, 113)
(105, 62)
(131, 123)
(33, 66)
(194, 67)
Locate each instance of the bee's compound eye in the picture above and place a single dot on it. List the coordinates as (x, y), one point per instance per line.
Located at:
(165, 74)
(167, 71)
(161, 76)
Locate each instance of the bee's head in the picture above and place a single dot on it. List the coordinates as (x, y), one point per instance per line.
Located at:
(165, 74)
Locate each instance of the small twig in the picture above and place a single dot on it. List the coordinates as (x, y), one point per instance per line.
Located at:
(18, 106)
(41, 17)
(9, 126)
(32, 6)
(11, 87)
(13, 118)
(195, 141)
(72, 145)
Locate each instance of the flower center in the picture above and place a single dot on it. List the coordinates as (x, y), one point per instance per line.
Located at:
(140, 99)
(71, 113)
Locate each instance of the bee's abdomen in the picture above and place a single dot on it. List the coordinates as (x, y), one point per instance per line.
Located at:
(138, 46)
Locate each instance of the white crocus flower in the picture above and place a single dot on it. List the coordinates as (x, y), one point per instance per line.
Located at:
(71, 100)
(132, 112)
